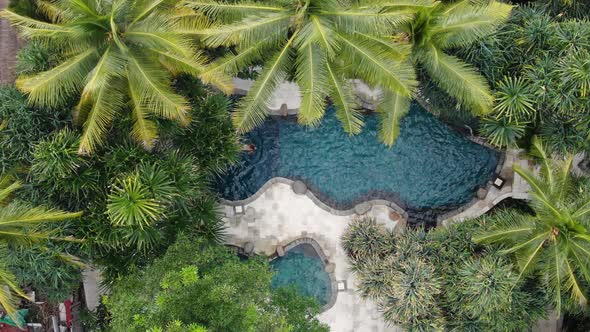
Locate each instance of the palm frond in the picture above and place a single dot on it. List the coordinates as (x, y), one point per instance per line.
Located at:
(251, 111)
(9, 290)
(376, 66)
(369, 20)
(321, 31)
(539, 192)
(393, 4)
(556, 277)
(153, 84)
(7, 187)
(104, 104)
(226, 11)
(465, 24)
(144, 130)
(53, 11)
(343, 98)
(312, 78)
(196, 65)
(573, 286)
(232, 63)
(527, 258)
(160, 40)
(398, 51)
(507, 225)
(392, 109)
(30, 28)
(249, 30)
(18, 222)
(458, 79)
(49, 88)
(111, 64)
(145, 8)
(582, 211)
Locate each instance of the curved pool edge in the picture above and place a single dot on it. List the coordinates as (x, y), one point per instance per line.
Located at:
(318, 202)
(290, 244)
(366, 205)
(452, 213)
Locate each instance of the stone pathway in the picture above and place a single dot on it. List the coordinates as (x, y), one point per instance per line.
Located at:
(280, 216)
(9, 45)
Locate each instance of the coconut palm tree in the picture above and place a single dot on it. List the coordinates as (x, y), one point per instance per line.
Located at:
(118, 55)
(326, 42)
(320, 44)
(19, 224)
(555, 241)
(454, 25)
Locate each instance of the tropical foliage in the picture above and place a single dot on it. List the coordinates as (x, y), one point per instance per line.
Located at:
(21, 125)
(441, 280)
(380, 41)
(20, 225)
(117, 56)
(541, 81)
(213, 289)
(555, 241)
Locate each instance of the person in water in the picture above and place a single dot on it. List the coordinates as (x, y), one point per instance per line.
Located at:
(250, 148)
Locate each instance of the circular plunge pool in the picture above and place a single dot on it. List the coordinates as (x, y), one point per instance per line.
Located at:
(303, 268)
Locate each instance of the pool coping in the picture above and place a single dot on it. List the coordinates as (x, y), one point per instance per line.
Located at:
(360, 208)
(475, 199)
(363, 207)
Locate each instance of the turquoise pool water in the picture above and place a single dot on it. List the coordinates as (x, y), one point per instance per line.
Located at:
(302, 268)
(430, 166)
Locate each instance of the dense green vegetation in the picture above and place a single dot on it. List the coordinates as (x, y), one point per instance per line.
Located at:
(119, 113)
(115, 56)
(537, 65)
(381, 41)
(214, 289)
(441, 280)
(20, 227)
(554, 242)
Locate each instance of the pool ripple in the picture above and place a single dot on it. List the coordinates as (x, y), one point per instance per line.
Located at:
(430, 165)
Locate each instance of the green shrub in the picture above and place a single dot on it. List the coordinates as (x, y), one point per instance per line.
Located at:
(21, 126)
(45, 269)
(210, 137)
(35, 57)
(442, 280)
(501, 131)
(196, 283)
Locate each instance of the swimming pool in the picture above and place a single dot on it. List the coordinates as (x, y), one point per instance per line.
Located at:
(303, 268)
(430, 166)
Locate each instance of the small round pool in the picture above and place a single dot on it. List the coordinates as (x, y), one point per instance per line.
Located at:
(304, 269)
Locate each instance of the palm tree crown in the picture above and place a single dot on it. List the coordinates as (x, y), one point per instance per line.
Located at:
(320, 44)
(555, 241)
(19, 226)
(118, 54)
(454, 25)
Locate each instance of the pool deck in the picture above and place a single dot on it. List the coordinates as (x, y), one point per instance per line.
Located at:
(281, 213)
(279, 216)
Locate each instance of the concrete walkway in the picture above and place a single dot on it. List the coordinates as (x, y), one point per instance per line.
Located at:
(280, 216)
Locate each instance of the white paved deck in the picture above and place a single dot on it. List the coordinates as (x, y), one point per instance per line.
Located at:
(280, 216)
